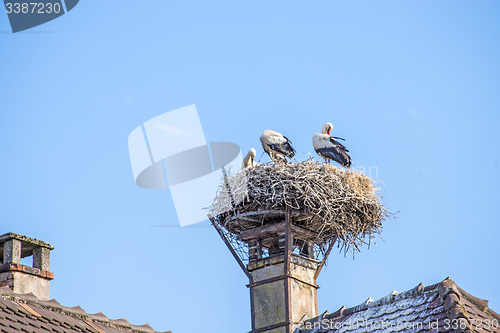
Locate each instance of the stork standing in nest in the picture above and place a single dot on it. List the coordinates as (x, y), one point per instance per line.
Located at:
(329, 148)
(277, 146)
(248, 161)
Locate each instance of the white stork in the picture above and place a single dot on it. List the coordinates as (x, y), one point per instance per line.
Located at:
(277, 146)
(330, 149)
(248, 161)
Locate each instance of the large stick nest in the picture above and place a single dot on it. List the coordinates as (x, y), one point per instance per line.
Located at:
(330, 202)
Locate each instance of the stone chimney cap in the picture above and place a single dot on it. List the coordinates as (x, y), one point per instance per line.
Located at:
(27, 244)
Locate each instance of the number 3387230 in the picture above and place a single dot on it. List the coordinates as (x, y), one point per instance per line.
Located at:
(32, 8)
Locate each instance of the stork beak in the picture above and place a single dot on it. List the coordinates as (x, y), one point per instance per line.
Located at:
(329, 132)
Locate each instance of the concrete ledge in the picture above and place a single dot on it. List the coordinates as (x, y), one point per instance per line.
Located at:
(24, 239)
(273, 260)
(26, 269)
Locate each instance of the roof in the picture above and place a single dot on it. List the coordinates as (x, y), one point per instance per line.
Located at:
(26, 313)
(442, 307)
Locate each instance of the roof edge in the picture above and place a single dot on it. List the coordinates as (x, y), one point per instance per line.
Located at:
(75, 312)
(390, 298)
(446, 289)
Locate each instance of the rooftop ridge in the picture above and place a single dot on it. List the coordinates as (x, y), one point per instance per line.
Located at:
(452, 295)
(75, 312)
(390, 298)
(370, 303)
(432, 305)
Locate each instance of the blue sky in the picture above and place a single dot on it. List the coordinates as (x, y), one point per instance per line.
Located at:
(412, 85)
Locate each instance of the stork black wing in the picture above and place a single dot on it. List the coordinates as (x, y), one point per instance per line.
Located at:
(337, 144)
(338, 153)
(284, 148)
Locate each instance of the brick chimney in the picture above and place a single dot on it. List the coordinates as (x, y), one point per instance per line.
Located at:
(20, 278)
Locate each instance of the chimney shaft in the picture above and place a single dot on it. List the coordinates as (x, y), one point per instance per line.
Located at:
(284, 260)
(280, 300)
(20, 278)
(283, 284)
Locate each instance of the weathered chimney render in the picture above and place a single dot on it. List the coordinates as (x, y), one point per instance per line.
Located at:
(21, 278)
(282, 270)
(279, 297)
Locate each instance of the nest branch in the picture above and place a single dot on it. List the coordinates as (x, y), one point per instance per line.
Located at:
(335, 202)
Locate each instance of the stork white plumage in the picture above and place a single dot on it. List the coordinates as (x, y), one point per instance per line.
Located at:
(248, 161)
(277, 146)
(330, 149)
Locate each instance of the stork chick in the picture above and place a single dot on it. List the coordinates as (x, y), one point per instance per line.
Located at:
(248, 161)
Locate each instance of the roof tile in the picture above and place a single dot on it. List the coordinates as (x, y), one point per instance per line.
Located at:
(51, 304)
(5, 290)
(56, 328)
(120, 322)
(94, 327)
(421, 309)
(28, 297)
(143, 328)
(77, 310)
(99, 316)
(337, 313)
(30, 309)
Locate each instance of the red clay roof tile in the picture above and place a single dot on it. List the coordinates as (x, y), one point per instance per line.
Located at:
(24, 312)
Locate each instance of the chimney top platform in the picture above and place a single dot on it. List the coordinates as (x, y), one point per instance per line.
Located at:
(28, 245)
